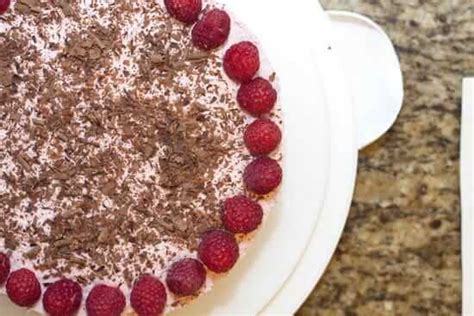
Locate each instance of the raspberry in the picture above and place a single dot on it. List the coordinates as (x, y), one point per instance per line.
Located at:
(105, 300)
(218, 250)
(62, 298)
(4, 5)
(23, 288)
(186, 11)
(4, 267)
(263, 175)
(186, 277)
(212, 30)
(148, 297)
(242, 61)
(262, 137)
(257, 97)
(241, 215)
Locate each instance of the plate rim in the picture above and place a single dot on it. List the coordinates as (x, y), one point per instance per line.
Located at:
(343, 170)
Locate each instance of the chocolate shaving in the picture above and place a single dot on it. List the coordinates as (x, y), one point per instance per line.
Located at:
(24, 164)
(33, 253)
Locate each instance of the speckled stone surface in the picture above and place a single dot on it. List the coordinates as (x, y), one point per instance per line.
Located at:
(400, 251)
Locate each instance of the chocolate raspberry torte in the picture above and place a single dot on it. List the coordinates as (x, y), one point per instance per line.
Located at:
(139, 152)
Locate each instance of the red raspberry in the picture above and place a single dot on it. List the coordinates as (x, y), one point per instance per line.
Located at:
(257, 97)
(23, 288)
(105, 300)
(4, 5)
(262, 137)
(186, 277)
(148, 297)
(62, 298)
(241, 215)
(218, 250)
(212, 30)
(186, 11)
(263, 175)
(242, 61)
(4, 267)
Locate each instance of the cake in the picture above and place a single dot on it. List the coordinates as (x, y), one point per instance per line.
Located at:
(139, 152)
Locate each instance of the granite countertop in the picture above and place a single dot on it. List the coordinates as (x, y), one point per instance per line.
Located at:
(400, 251)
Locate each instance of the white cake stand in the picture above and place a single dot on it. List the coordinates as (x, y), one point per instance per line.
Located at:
(320, 161)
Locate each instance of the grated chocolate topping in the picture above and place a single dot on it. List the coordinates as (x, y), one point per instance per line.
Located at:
(117, 140)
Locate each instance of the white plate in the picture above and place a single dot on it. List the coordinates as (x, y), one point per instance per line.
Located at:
(358, 42)
(372, 67)
(288, 36)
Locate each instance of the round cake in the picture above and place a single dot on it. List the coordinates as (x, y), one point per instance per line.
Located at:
(139, 152)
